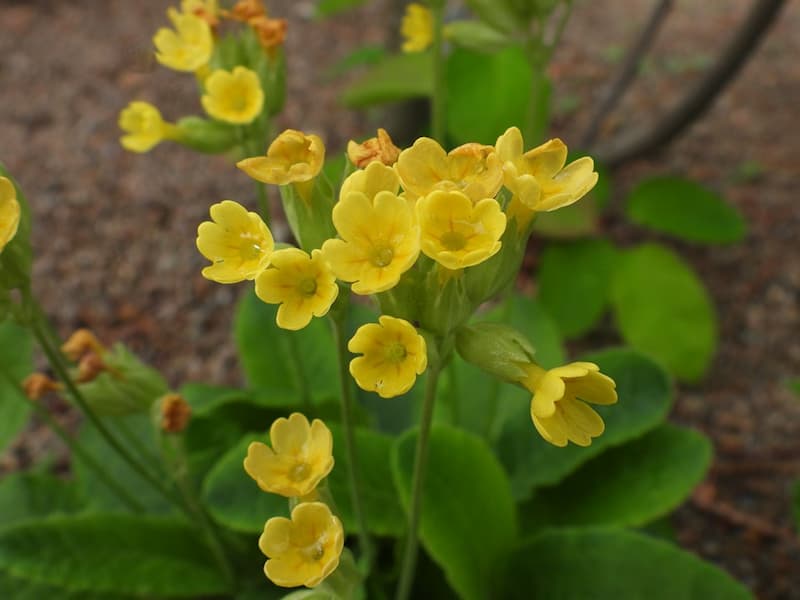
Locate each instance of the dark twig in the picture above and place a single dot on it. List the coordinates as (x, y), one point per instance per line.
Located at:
(701, 96)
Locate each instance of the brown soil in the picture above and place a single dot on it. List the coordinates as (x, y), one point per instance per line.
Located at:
(114, 231)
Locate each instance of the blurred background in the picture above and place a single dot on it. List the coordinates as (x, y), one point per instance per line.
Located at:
(114, 232)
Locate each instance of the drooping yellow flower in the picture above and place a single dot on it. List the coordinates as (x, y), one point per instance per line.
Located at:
(416, 28)
(144, 127)
(233, 97)
(538, 177)
(186, 48)
(293, 157)
(393, 355)
(380, 241)
(380, 148)
(10, 212)
(376, 178)
(238, 243)
(457, 234)
(559, 408)
(300, 457)
(472, 168)
(303, 285)
(305, 549)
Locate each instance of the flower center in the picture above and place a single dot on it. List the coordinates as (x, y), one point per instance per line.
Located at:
(315, 551)
(307, 287)
(299, 472)
(382, 257)
(396, 353)
(453, 240)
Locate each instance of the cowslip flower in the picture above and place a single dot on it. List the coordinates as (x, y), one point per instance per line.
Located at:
(144, 127)
(376, 178)
(559, 408)
(300, 457)
(293, 157)
(186, 48)
(416, 28)
(379, 241)
(302, 550)
(472, 168)
(457, 234)
(303, 285)
(238, 243)
(380, 148)
(10, 212)
(270, 32)
(393, 355)
(538, 177)
(233, 97)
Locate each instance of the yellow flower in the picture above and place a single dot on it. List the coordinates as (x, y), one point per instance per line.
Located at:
(380, 241)
(393, 355)
(457, 234)
(379, 148)
(208, 10)
(472, 168)
(145, 128)
(9, 212)
(233, 97)
(417, 28)
(303, 285)
(300, 457)
(376, 178)
(538, 177)
(305, 549)
(238, 243)
(292, 157)
(188, 47)
(558, 407)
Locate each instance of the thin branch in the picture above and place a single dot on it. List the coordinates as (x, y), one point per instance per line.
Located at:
(627, 72)
(701, 96)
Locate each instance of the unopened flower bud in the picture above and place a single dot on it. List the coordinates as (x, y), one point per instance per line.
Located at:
(244, 10)
(89, 367)
(37, 385)
(271, 32)
(379, 148)
(174, 413)
(81, 342)
(497, 349)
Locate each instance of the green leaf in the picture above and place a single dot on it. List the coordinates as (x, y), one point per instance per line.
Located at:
(482, 112)
(530, 317)
(629, 485)
(662, 308)
(497, 14)
(476, 35)
(468, 522)
(396, 77)
(28, 495)
(364, 55)
(609, 563)
(23, 589)
(645, 397)
(292, 367)
(16, 363)
(570, 222)
(123, 554)
(234, 499)
(379, 500)
(685, 209)
(327, 8)
(205, 398)
(574, 281)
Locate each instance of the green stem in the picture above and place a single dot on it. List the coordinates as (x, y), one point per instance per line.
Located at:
(439, 91)
(133, 440)
(338, 321)
(420, 463)
(263, 202)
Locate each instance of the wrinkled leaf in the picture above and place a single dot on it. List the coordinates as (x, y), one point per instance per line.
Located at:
(29, 495)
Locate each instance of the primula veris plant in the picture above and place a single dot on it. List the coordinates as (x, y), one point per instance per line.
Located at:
(234, 97)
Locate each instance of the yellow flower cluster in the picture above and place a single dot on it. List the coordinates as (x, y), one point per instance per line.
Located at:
(304, 549)
(416, 28)
(9, 212)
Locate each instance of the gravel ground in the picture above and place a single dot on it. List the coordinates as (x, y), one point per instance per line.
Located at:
(114, 231)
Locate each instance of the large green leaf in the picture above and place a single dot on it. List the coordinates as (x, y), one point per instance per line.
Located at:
(481, 109)
(629, 485)
(289, 367)
(123, 554)
(16, 362)
(23, 589)
(499, 14)
(610, 563)
(645, 396)
(468, 523)
(379, 499)
(28, 495)
(327, 8)
(234, 499)
(396, 77)
(532, 319)
(574, 280)
(663, 309)
(685, 209)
